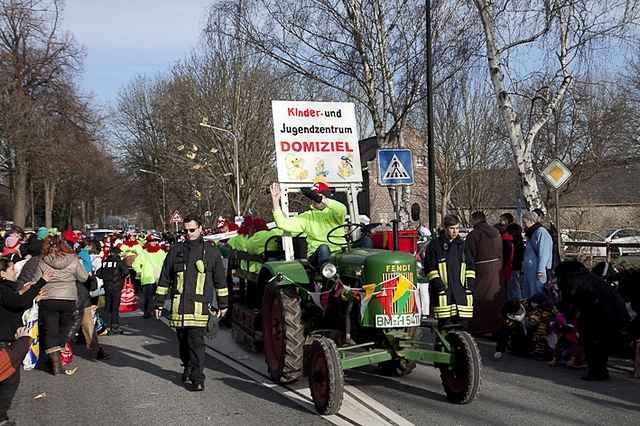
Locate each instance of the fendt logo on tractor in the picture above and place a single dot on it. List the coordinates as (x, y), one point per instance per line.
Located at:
(316, 311)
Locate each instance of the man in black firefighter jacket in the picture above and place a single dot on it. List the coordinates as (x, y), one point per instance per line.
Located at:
(451, 274)
(192, 275)
(112, 272)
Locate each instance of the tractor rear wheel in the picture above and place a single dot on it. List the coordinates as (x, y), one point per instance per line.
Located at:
(326, 377)
(283, 333)
(461, 381)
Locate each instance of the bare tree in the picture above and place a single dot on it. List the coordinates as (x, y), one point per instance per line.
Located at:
(558, 36)
(466, 140)
(370, 51)
(156, 126)
(35, 57)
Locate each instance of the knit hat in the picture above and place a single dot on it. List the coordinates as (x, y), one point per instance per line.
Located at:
(43, 232)
(69, 236)
(153, 237)
(321, 188)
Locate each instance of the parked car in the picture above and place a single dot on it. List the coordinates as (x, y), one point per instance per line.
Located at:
(624, 235)
(580, 236)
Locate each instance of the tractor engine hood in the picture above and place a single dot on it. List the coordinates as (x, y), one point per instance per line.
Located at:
(371, 266)
(385, 265)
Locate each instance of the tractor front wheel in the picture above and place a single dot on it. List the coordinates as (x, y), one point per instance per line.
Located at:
(461, 381)
(326, 377)
(283, 333)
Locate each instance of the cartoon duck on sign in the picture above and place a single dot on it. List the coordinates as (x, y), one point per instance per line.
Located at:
(295, 170)
(345, 168)
(321, 171)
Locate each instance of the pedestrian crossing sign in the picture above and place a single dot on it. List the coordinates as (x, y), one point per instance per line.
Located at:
(395, 167)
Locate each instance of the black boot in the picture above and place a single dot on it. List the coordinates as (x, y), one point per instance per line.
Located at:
(195, 387)
(56, 364)
(186, 375)
(102, 355)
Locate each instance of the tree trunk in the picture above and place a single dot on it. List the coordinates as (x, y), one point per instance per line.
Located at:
(49, 197)
(70, 216)
(83, 212)
(20, 200)
(444, 206)
(520, 145)
(33, 207)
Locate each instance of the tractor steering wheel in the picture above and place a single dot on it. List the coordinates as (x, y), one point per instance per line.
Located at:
(349, 230)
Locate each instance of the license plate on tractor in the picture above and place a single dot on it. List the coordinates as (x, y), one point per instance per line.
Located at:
(402, 320)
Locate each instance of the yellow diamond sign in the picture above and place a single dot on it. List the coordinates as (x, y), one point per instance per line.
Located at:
(556, 173)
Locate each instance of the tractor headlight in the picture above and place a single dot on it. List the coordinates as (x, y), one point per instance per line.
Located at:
(329, 270)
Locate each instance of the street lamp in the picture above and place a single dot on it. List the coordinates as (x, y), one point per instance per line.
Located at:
(164, 197)
(205, 123)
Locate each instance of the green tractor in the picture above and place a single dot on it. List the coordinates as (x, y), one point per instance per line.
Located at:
(362, 308)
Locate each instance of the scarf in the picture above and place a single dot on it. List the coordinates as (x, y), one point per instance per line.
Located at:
(152, 248)
(529, 231)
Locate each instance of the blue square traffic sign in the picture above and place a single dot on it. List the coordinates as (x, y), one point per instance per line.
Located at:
(395, 167)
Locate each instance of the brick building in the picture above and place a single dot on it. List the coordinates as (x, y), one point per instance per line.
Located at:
(375, 200)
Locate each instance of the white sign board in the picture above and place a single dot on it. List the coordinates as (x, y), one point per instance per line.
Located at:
(316, 141)
(556, 173)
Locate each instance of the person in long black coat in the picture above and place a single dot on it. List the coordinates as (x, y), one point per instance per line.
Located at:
(600, 309)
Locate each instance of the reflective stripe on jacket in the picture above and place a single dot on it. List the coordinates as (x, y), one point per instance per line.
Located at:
(192, 275)
(451, 274)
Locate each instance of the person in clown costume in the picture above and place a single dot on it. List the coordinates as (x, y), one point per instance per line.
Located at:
(148, 265)
(131, 247)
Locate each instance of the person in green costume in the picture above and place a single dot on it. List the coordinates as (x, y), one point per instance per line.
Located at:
(148, 265)
(324, 215)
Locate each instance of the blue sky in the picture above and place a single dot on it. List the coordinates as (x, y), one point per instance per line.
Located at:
(126, 38)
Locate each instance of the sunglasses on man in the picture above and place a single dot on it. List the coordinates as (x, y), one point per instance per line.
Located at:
(191, 230)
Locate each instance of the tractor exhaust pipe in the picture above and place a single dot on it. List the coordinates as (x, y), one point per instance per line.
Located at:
(396, 233)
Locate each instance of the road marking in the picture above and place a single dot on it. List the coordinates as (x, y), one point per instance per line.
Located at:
(357, 407)
(381, 409)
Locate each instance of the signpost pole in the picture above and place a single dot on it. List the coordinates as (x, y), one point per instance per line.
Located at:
(396, 221)
(557, 174)
(557, 213)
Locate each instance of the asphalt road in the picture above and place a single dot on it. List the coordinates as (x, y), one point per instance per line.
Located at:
(140, 385)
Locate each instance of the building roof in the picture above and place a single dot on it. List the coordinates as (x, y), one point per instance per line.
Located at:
(615, 183)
